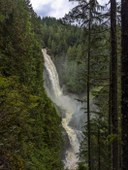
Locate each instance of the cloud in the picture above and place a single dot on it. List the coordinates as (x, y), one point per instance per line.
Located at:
(54, 8)
(45, 10)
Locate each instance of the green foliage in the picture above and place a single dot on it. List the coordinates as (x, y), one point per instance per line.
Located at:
(30, 127)
(67, 54)
(71, 63)
(82, 166)
(68, 46)
(100, 140)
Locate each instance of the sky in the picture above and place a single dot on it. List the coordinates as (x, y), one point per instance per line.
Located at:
(54, 8)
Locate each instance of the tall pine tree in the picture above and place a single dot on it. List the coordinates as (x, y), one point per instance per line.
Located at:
(124, 83)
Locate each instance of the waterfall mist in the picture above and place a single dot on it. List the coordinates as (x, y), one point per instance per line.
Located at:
(73, 118)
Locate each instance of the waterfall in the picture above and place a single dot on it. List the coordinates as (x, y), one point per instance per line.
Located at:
(72, 110)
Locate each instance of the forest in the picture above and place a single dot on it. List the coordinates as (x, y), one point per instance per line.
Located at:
(89, 48)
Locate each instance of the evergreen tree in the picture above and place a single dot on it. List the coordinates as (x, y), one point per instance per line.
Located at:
(113, 88)
(124, 83)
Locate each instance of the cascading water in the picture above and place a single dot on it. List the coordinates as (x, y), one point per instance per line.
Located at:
(72, 110)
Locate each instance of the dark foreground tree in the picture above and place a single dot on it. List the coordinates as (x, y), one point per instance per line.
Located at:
(113, 87)
(124, 80)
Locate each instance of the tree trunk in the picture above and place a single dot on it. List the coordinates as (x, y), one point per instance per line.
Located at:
(113, 87)
(88, 93)
(124, 83)
(99, 147)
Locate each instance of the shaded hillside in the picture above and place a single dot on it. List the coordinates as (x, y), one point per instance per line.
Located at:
(28, 119)
(68, 44)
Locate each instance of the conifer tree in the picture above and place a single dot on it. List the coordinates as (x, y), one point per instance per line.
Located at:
(113, 112)
(124, 83)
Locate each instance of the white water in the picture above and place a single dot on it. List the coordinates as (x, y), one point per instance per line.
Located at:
(71, 107)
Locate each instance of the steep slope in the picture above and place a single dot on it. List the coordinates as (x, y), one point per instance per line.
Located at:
(29, 124)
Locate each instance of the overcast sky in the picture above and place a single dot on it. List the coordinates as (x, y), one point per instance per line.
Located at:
(54, 8)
